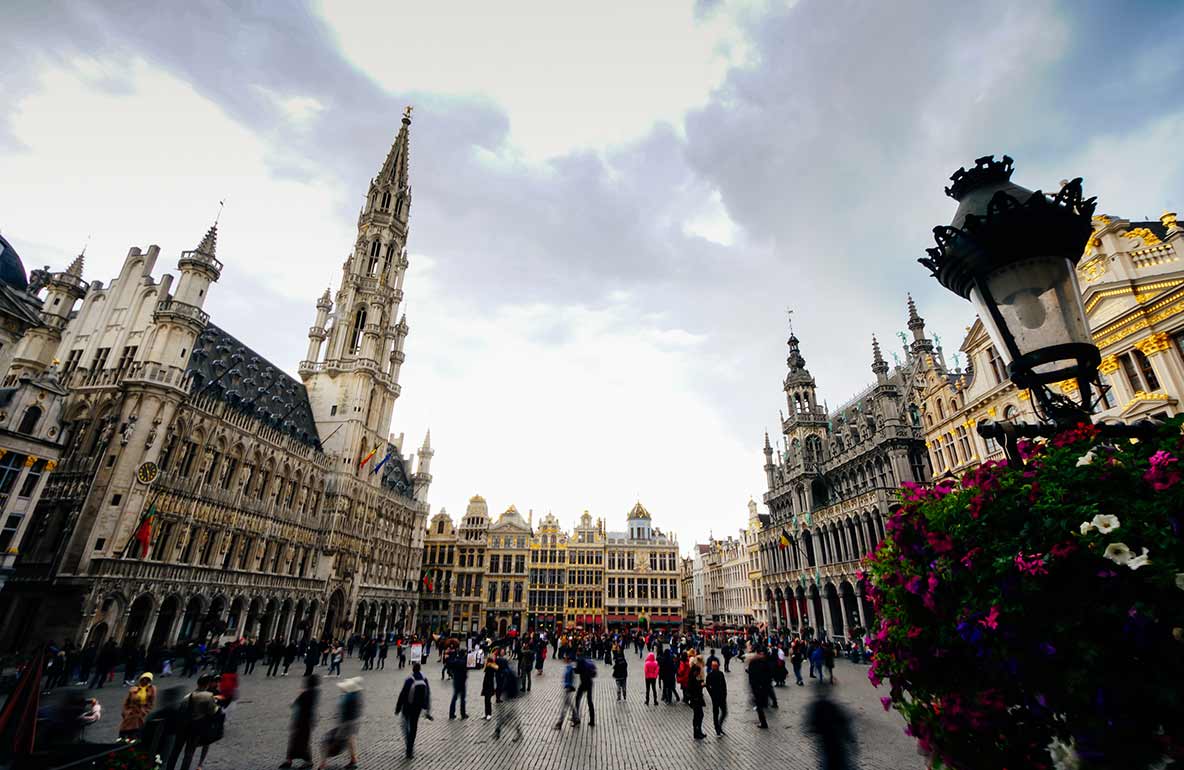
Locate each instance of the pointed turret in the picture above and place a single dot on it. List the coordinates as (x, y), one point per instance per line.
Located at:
(879, 365)
(394, 168)
(920, 344)
(769, 466)
(209, 243)
(423, 469)
(75, 268)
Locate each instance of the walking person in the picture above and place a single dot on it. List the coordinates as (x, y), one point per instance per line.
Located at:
(311, 658)
(586, 671)
(458, 666)
(693, 696)
(650, 671)
(827, 720)
(620, 671)
(349, 717)
(203, 718)
(304, 715)
(489, 684)
(569, 689)
(507, 714)
(796, 652)
(336, 656)
(138, 704)
(525, 666)
(817, 661)
(383, 649)
(717, 688)
(290, 654)
(275, 651)
(414, 699)
(828, 660)
(760, 681)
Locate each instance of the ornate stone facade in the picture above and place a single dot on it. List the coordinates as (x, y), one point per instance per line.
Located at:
(279, 507)
(829, 491)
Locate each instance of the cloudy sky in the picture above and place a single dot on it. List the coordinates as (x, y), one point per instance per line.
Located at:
(615, 203)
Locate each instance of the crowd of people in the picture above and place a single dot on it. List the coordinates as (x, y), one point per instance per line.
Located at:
(677, 668)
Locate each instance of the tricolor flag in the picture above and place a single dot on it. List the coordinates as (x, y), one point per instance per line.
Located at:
(427, 580)
(366, 459)
(784, 541)
(378, 466)
(144, 530)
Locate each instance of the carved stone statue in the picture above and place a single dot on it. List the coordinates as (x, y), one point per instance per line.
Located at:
(128, 429)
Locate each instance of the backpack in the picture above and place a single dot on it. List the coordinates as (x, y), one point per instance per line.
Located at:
(419, 694)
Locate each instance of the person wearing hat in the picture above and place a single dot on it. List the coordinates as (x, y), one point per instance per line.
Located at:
(349, 716)
(138, 704)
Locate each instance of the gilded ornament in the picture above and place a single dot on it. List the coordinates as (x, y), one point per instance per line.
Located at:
(1156, 343)
(1024, 395)
(1109, 364)
(1149, 238)
(1168, 218)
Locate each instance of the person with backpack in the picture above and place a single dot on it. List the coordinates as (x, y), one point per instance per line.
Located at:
(569, 689)
(458, 666)
(414, 700)
(203, 724)
(349, 716)
(717, 688)
(525, 666)
(620, 671)
(586, 670)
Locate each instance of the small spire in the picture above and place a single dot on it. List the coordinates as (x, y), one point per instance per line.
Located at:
(427, 440)
(75, 268)
(209, 243)
(767, 444)
(879, 365)
(916, 322)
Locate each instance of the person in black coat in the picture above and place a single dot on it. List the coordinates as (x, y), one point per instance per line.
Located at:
(489, 684)
(414, 700)
(717, 688)
(458, 666)
(304, 714)
(760, 680)
(694, 698)
(311, 659)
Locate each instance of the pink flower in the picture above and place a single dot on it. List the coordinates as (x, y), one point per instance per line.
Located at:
(939, 542)
(971, 555)
(1161, 475)
(1061, 550)
(1032, 565)
(991, 621)
(914, 632)
(914, 585)
(886, 702)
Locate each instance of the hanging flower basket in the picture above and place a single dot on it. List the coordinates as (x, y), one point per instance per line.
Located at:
(1033, 616)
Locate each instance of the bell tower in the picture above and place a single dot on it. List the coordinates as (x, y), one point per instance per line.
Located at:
(355, 353)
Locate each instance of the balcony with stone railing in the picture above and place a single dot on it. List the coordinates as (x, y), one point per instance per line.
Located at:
(210, 578)
(172, 310)
(207, 262)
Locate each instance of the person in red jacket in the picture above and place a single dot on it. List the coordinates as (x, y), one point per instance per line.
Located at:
(684, 673)
(651, 678)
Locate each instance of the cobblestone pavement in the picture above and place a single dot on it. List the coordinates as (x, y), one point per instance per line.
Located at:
(627, 736)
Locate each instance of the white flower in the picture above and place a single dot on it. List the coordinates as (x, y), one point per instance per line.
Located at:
(1118, 553)
(1105, 523)
(1134, 562)
(1086, 459)
(1180, 580)
(1086, 527)
(1064, 755)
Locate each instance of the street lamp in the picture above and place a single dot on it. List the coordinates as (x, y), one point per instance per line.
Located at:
(1013, 253)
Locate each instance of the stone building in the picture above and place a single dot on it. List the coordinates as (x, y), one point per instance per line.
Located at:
(547, 599)
(586, 574)
(751, 535)
(279, 507)
(507, 550)
(831, 489)
(30, 411)
(468, 586)
(1132, 282)
(642, 574)
(436, 582)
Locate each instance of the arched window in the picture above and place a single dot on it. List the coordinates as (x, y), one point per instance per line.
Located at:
(30, 420)
(941, 410)
(355, 335)
(386, 200)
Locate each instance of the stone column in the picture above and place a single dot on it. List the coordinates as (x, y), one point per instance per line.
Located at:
(810, 612)
(843, 611)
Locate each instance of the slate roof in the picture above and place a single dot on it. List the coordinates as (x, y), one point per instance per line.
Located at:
(12, 270)
(253, 385)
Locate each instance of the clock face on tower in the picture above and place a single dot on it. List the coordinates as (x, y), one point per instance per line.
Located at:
(147, 473)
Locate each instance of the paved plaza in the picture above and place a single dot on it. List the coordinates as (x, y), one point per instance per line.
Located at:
(627, 736)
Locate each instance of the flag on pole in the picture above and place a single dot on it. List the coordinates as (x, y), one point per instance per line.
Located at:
(427, 580)
(784, 541)
(366, 459)
(382, 462)
(144, 530)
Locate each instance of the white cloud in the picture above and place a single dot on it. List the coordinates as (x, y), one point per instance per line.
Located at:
(570, 75)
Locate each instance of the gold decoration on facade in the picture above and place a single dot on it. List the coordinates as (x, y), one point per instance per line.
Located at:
(1168, 218)
(1142, 395)
(1149, 238)
(992, 411)
(1155, 343)
(1024, 395)
(30, 461)
(1068, 386)
(1094, 268)
(1100, 220)
(1109, 364)
(50, 465)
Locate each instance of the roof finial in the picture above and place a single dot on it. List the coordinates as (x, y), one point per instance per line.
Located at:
(407, 113)
(221, 205)
(84, 245)
(789, 316)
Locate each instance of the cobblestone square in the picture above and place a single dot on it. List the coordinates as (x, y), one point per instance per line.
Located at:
(627, 736)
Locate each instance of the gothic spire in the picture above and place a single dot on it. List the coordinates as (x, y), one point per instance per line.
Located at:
(209, 243)
(75, 268)
(394, 168)
(916, 322)
(795, 361)
(879, 365)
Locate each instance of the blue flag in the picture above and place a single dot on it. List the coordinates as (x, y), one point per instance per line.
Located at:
(382, 462)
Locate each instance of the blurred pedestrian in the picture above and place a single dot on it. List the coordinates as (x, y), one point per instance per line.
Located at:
(304, 715)
(343, 737)
(830, 723)
(717, 688)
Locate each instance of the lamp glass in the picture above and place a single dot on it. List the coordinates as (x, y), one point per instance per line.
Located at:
(1039, 302)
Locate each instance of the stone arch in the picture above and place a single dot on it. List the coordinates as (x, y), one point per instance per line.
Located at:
(847, 597)
(166, 618)
(311, 613)
(193, 619)
(235, 620)
(284, 626)
(815, 599)
(250, 627)
(834, 615)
